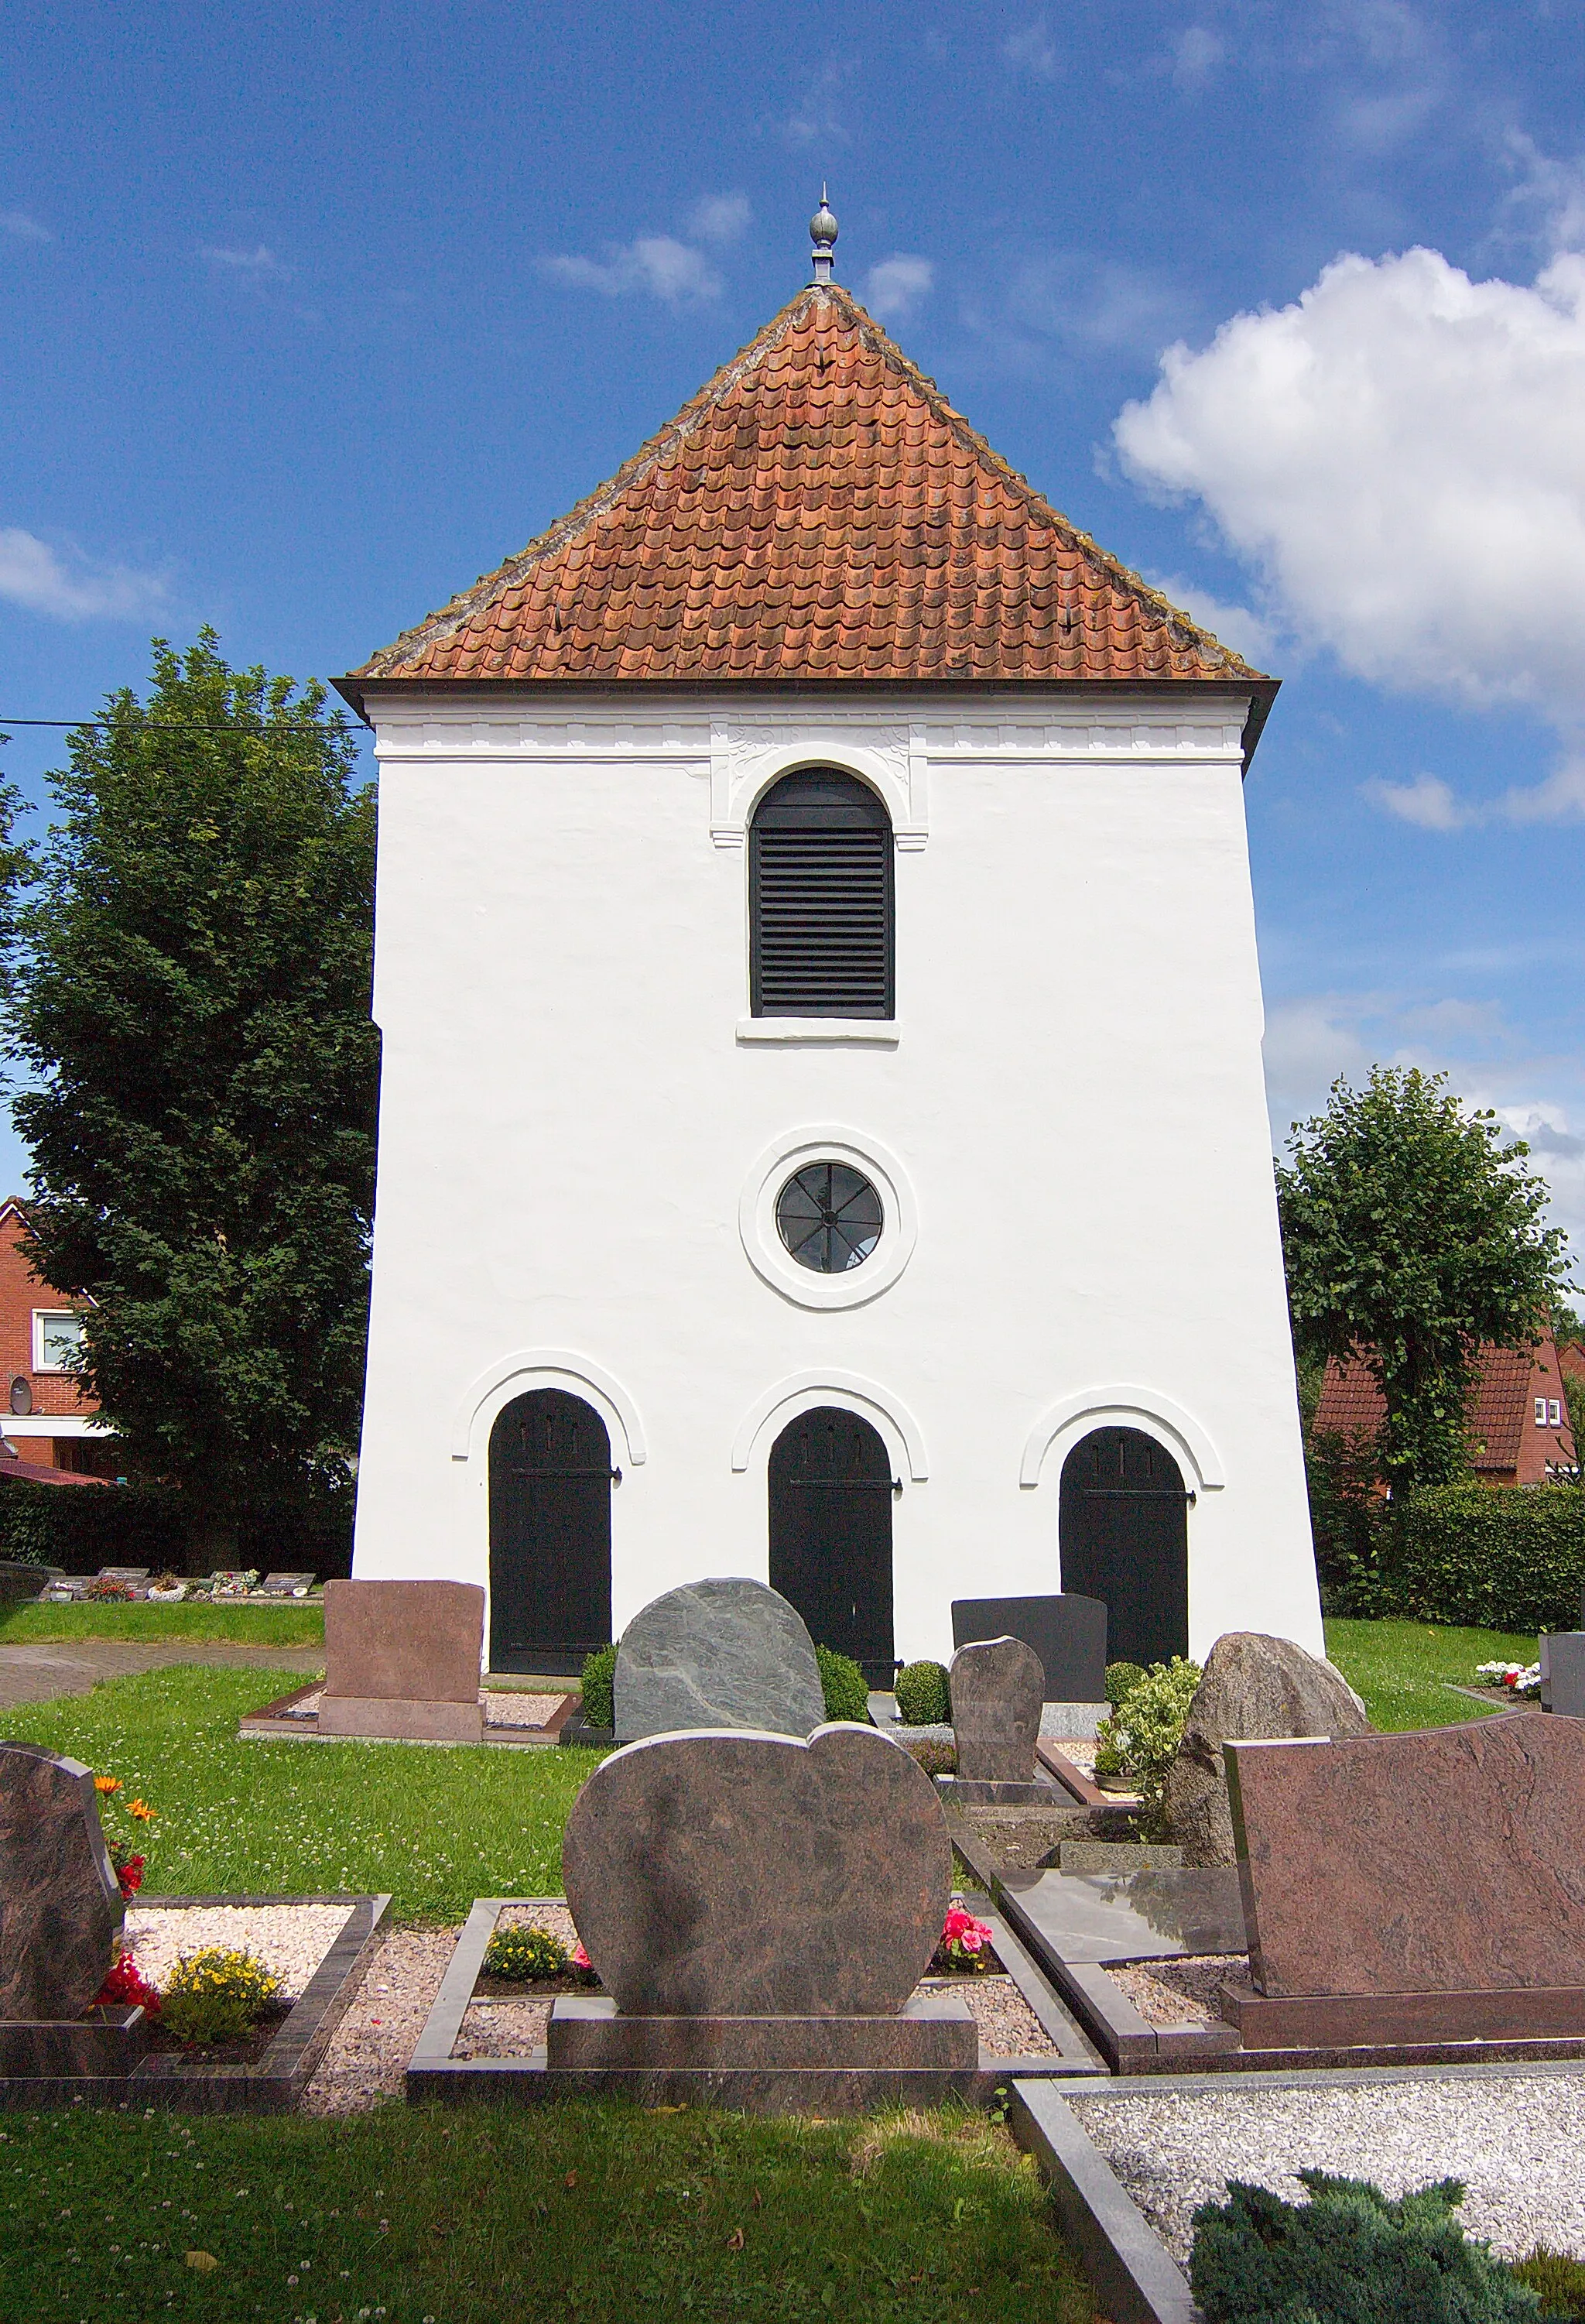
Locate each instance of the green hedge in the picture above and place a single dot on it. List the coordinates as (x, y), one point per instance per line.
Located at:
(83, 1527)
(1493, 1558)
(842, 1684)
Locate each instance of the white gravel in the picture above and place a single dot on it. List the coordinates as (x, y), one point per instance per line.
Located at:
(1517, 2144)
(291, 1940)
(506, 1707)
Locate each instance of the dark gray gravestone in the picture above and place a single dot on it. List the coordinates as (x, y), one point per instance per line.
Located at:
(1067, 1632)
(60, 1902)
(757, 1875)
(723, 1652)
(1562, 1673)
(996, 1689)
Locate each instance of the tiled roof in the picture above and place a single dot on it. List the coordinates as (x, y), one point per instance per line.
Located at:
(819, 511)
(1501, 1408)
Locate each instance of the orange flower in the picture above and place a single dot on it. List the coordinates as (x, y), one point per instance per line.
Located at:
(107, 1782)
(142, 1810)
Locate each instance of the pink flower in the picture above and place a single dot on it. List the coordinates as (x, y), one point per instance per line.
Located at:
(580, 1957)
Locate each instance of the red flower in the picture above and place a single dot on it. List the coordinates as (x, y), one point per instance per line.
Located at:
(130, 1875)
(580, 1957)
(125, 1987)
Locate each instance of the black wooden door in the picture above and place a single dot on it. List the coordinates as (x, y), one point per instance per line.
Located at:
(1124, 1537)
(550, 1534)
(831, 1493)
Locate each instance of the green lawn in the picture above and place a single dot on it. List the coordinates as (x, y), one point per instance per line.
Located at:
(420, 2216)
(437, 1827)
(1400, 1667)
(262, 1626)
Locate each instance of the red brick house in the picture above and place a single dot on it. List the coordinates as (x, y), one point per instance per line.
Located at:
(45, 1419)
(1518, 1415)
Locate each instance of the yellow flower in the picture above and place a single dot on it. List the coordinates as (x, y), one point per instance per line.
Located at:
(107, 1782)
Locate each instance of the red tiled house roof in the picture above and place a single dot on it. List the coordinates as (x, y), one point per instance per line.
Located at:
(817, 512)
(1507, 1445)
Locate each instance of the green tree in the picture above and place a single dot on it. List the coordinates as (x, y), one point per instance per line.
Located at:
(1410, 1235)
(191, 1004)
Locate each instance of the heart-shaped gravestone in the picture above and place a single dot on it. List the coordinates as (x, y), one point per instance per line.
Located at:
(724, 1874)
(59, 1900)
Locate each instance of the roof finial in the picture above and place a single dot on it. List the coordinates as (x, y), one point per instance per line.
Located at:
(822, 234)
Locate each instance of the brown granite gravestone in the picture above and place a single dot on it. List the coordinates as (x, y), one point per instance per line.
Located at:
(761, 1906)
(402, 1661)
(1423, 1885)
(60, 1905)
(997, 1689)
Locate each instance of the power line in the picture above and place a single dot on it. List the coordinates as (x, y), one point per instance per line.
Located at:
(148, 725)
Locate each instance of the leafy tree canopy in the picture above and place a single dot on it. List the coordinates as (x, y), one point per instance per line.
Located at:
(1411, 1234)
(191, 1002)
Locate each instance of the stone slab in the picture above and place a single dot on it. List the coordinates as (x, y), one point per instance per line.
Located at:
(1065, 1630)
(60, 1905)
(932, 2031)
(997, 1687)
(404, 1641)
(106, 2041)
(1449, 1860)
(968, 1791)
(1353, 2020)
(1562, 1655)
(747, 1876)
(382, 1718)
(1148, 1915)
(724, 1652)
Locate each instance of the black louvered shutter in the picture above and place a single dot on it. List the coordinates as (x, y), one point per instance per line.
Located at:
(820, 900)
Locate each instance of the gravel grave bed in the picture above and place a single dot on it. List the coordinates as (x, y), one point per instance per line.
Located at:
(366, 2057)
(291, 1940)
(1517, 2145)
(1181, 1992)
(500, 1708)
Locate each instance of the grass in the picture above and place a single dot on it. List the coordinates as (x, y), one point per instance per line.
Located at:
(464, 2215)
(1400, 1667)
(264, 1626)
(436, 1827)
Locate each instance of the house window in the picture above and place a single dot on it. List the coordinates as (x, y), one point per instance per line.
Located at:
(820, 900)
(57, 1337)
(1554, 1412)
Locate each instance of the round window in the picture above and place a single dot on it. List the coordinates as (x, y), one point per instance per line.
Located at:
(830, 1217)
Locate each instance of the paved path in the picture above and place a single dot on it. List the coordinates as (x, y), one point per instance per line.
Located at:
(33, 1674)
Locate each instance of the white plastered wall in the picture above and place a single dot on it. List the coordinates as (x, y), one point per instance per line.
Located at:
(577, 1118)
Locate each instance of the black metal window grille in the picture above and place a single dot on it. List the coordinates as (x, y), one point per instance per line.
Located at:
(829, 1217)
(820, 900)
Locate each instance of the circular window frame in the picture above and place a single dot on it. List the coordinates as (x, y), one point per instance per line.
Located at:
(761, 1237)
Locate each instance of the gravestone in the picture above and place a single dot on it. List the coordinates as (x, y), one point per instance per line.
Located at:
(60, 1905)
(720, 1653)
(20, 1582)
(996, 1689)
(1420, 1887)
(760, 1910)
(1254, 1686)
(1562, 1655)
(402, 1661)
(1067, 1631)
(285, 1585)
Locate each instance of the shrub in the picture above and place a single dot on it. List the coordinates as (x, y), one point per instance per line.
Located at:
(1140, 1740)
(1559, 2281)
(522, 1954)
(934, 1754)
(965, 1945)
(1121, 1679)
(846, 1695)
(922, 1696)
(1511, 1559)
(218, 1995)
(1348, 2256)
(599, 1688)
(99, 1524)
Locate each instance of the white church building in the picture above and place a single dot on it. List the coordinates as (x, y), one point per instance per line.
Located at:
(822, 1129)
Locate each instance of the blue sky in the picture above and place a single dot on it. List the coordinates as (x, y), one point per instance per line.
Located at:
(312, 316)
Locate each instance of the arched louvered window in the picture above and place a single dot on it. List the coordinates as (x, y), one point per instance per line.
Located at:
(820, 898)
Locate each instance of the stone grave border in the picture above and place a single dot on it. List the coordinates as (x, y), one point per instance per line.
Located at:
(271, 1723)
(1134, 2276)
(272, 2083)
(432, 2072)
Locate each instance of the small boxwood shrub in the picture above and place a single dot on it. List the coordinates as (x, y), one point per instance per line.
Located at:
(1121, 1679)
(600, 1688)
(1140, 1740)
(846, 1695)
(522, 1954)
(218, 1995)
(922, 1696)
(1348, 2256)
(1509, 1558)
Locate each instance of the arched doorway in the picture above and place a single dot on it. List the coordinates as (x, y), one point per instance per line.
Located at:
(550, 1477)
(831, 1492)
(1124, 1537)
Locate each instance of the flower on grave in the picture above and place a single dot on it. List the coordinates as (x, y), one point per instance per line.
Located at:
(125, 1987)
(965, 1944)
(1520, 1678)
(580, 1958)
(129, 1876)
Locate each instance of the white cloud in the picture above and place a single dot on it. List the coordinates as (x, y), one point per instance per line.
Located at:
(1235, 625)
(893, 289)
(22, 227)
(1435, 805)
(71, 587)
(1427, 801)
(1399, 455)
(257, 262)
(1032, 49)
(720, 218)
(1196, 53)
(656, 263)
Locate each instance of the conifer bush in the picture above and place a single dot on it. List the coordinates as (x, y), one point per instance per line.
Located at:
(923, 1699)
(1121, 1679)
(600, 1688)
(846, 1695)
